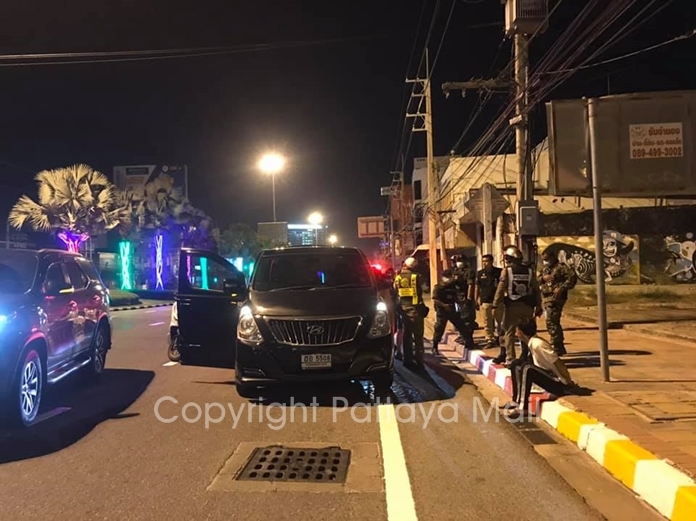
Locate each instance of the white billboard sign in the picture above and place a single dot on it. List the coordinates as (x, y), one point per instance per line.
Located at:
(371, 227)
(656, 141)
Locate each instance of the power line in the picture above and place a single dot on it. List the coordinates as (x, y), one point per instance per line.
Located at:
(69, 58)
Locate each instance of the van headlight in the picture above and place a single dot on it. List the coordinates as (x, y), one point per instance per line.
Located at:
(247, 329)
(381, 325)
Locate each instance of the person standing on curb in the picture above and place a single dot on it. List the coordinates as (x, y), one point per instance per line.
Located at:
(518, 291)
(464, 281)
(487, 280)
(408, 285)
(556, 280)
(445, 302)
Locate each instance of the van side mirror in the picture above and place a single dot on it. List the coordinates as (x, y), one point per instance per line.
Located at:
(234, 286)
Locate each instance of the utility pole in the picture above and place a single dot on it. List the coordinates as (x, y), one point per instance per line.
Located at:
(525, 179)
(522, 18)
(433, 178)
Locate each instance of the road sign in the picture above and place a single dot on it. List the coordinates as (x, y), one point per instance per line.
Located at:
(371, 227)
(477, 203)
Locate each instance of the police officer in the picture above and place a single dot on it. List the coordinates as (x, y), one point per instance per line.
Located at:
(518, 291)
(464, 281)
(445, 300)
(487, 280)
(408, 284)
(556, 280)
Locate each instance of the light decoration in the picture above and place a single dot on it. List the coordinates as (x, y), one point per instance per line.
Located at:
(158, 261)
(126, 255)
(204, 274)
(188, 269)
(73, 240)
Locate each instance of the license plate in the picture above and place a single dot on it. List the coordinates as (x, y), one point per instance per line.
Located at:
(316, 361)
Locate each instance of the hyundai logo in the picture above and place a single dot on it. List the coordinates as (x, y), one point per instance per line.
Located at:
(315, 330)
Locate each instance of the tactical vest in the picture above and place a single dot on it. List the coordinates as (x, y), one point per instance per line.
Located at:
(407, 287)
(520, 284)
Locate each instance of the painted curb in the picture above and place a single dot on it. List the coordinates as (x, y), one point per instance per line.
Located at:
(664, 487)
(148, 306)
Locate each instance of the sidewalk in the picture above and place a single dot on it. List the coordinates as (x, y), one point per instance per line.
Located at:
(641, 426)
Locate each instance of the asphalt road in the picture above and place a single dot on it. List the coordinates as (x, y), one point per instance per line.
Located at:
(102, 453)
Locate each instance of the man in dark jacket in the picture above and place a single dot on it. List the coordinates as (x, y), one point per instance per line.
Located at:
(445, 300)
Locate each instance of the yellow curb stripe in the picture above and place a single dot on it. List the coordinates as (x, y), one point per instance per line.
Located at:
(684, 504)
(570, 423)
(620, 458)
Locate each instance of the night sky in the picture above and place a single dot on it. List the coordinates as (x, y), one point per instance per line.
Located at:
(334, 109)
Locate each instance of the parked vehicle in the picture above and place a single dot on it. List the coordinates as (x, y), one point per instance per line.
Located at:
(204, 317)
(313, 314)
(54, 321)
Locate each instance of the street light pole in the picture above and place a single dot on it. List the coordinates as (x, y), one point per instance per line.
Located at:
(275, 219)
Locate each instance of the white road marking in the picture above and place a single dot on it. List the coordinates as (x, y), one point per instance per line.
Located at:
(169, 364)
(157, 323)
(152, 311)
(400, 503)
(51, 414)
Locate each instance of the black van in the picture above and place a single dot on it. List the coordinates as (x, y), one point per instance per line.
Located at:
(313, 314)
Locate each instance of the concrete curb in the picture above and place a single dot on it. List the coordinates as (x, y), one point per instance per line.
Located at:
(664, 487)
(641, 330)
(141, 306)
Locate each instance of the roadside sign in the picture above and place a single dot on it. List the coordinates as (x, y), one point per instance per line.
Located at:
(656, 141)
(477, 204)
(371, 227)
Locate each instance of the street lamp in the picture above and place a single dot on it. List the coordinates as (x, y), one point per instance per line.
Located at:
(316, 219)
(333, 239)
(271, 164)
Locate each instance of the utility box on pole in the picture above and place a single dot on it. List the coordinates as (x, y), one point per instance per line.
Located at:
(526, 16)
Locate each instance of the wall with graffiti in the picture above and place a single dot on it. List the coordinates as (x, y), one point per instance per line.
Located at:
(680, 264)
(620, 256)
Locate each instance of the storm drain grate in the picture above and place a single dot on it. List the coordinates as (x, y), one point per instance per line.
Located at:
(277, 463)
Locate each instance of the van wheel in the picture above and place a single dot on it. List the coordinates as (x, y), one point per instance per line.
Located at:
(24, 401)
(247, 390)
(383, 381)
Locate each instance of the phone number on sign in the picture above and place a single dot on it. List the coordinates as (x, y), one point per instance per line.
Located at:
(657, 152)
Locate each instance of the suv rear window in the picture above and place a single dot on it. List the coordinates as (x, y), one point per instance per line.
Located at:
(90, 270)
(311, 270)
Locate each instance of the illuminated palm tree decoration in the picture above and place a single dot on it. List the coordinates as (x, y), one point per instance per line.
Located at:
(159, 206)
(74, 203)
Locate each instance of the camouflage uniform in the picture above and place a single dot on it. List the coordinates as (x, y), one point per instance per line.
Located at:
(555, 282)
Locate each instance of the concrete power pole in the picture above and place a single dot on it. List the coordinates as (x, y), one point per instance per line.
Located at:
(433, 177)
(525, 178)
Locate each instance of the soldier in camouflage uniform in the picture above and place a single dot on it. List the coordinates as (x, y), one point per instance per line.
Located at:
(556, 280)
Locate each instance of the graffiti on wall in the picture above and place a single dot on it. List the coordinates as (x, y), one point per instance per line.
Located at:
(620, 256)
(680, 266)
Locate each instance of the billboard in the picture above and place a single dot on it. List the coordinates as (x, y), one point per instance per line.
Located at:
(138, 175)
(645, 145)
(371, 227)
(276, 232)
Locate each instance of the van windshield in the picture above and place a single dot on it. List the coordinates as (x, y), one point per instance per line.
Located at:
(311, 271)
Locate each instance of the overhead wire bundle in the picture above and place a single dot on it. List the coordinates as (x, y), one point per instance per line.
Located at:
(564, 58)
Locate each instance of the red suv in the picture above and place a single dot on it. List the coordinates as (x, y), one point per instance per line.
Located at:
(54, 320)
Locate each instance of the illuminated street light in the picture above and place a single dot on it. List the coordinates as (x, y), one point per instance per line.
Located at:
(271, 164)
(315, 218)
(333, 239)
